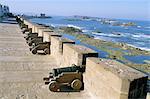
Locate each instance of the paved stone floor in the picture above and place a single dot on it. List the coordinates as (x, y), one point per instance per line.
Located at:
(21, 72)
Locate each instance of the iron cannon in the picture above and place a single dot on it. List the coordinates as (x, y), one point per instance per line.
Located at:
(44, 46)
(66, 79)
(24, 30)
(31, 36)
(35, 41)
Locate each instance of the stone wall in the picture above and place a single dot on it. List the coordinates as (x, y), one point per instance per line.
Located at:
(76, 54)
(106, 79)
(110, 79)
(57, 45)
(47, 35)
(41, 31)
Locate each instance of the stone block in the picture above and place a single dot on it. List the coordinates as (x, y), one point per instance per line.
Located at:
(109, 79)
(47, 35)
(41, 30)
(57, 44)
(76, 54)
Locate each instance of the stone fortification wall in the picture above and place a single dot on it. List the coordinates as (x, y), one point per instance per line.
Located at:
(107, 79)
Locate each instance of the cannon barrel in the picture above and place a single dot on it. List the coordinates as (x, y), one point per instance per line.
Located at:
(36, 40)
(31, 35)
(58, 71)
(41, 46)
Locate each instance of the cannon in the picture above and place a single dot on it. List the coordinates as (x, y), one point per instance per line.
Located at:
(70, 78)
(45, 46)
(24, 30)
(35, 41)
(22, 25)
(31, 36)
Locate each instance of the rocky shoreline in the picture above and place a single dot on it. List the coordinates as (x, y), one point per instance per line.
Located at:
(116, 51)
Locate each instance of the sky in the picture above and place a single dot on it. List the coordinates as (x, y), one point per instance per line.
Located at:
(123, 9)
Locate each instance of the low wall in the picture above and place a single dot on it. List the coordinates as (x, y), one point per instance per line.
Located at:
(41, 31)
(109, 79)
(76, 54)
(47, 35)
(106, 79)
(57, 44)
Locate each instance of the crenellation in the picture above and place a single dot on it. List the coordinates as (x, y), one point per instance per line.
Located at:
(105, 78)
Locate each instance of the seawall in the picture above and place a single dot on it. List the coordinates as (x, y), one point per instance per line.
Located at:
(104, 78)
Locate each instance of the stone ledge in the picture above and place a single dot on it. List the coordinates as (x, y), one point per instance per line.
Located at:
(115, 79)
(76, 54)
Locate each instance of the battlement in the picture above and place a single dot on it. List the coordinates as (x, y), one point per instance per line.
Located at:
(115, 79)
(105, 78)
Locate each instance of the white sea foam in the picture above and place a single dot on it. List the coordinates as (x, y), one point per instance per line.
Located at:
(141, 36)
(148, 27)
(106, 34)
(77, 27)
(85, 31)
(139, 26)
(53, 25)
(57, 25)
(104, 38)
(142, 48)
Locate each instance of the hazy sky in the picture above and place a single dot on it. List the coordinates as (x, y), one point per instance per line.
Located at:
(132, 9)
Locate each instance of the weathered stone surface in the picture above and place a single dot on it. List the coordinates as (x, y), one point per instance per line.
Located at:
(110, 79)
(41, 30)
(76, 54)
(47, 35)
(21, 72)
(57, 44)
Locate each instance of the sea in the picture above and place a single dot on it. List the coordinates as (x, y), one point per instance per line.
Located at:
(137, 36)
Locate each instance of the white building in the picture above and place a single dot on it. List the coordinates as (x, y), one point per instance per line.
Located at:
(4, 10)
(1, 10)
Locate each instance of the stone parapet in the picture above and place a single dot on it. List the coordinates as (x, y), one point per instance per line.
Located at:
(105, 78)
(47, 35)
(41, 31)
(109, 79)
(76, 54)
(57, 45)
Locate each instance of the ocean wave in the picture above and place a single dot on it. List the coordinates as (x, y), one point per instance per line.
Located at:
(139, 26)
(106, 34)
(77, 27)
(52, 25)
(57, 25)
(141, 36)
(148, 27)
(85, 31)
(105, 38)
(142, 48)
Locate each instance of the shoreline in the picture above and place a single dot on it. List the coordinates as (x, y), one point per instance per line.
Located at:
(118, 53)
(126, 36)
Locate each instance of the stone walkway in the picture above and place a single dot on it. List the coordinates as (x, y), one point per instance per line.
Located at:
(21, 72)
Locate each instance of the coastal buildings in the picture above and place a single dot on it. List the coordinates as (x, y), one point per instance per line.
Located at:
(4, 10)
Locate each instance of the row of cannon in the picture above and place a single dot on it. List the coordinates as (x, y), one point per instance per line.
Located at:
(60, 79)
(100, 75)
(34, 39)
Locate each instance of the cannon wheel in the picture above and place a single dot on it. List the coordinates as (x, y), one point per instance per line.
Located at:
(46, 51)
(30, 43)
(34, 51)
(53, 86)
(76, 84)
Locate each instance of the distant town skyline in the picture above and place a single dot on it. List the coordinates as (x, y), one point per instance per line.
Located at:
(125, 9)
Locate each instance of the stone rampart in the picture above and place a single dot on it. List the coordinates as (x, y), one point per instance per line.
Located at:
(110, 79)
(106, 79)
